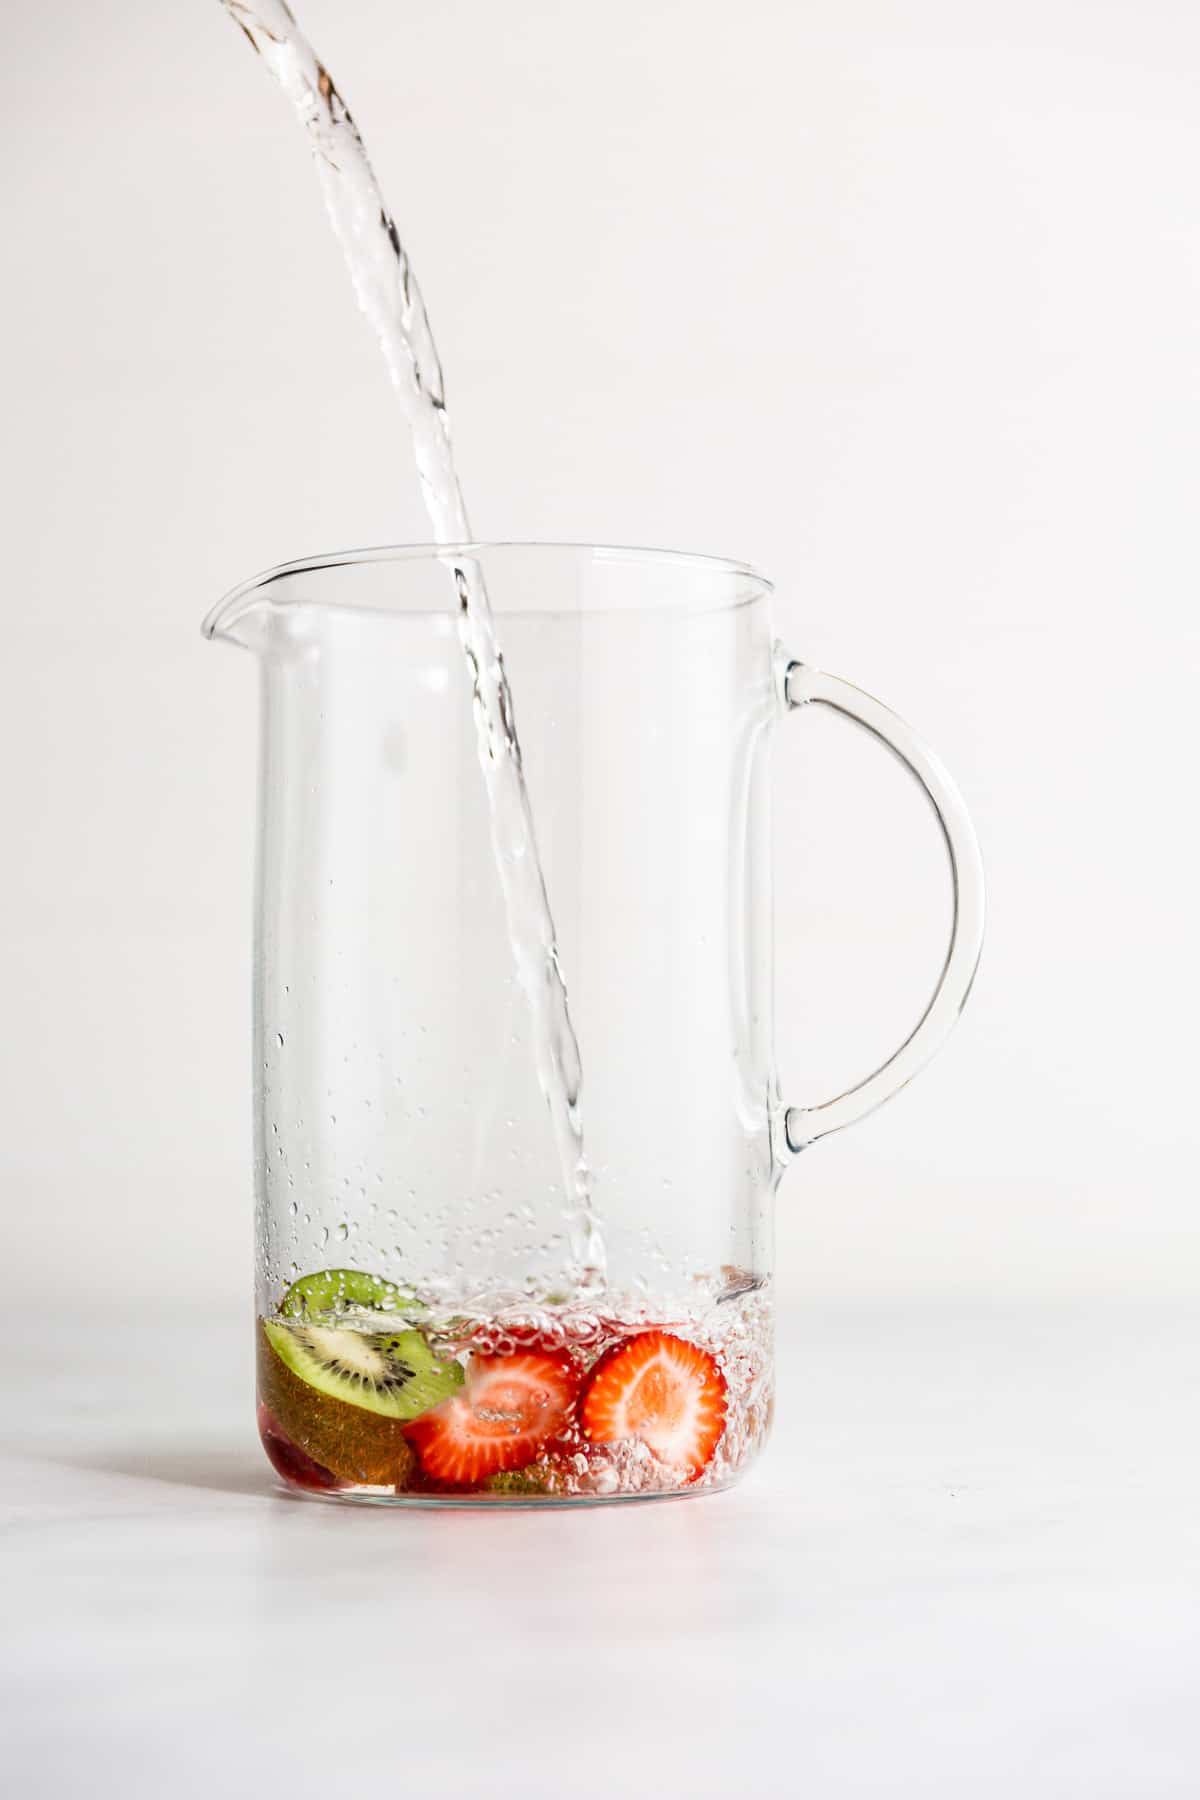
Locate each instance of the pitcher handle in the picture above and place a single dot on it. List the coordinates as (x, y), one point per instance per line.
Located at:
(804, 686)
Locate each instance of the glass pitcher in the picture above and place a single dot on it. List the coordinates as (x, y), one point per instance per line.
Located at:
(425, 1330)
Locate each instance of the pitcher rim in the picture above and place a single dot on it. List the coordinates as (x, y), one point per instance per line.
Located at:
(227, 608)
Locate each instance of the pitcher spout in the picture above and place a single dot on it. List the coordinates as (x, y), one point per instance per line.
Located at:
(243, 616)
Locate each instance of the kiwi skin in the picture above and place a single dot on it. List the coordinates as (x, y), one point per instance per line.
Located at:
(359, 1447)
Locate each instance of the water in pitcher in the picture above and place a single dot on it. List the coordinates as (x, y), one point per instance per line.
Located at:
(367, 1387)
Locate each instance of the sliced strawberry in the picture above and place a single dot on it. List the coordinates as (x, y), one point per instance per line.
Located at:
(509, 1407)
(663, 1390)
(287, 1459)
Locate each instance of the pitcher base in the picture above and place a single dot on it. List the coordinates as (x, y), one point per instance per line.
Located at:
(520, 1406)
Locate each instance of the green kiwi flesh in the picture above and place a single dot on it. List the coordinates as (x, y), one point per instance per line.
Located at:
(358, 1447)
(394, 1374)
(538, 1478)
(339, 1290)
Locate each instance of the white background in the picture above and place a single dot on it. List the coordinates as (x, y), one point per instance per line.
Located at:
(898, 302)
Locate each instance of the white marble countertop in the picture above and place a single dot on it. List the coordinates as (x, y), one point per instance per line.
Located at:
(968, 1565)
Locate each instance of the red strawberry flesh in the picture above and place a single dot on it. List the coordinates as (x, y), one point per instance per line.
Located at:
(509, 1408)
(663, 1390)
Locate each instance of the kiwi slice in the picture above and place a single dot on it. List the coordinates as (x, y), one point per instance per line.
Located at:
(337, 1290)
(394, 1374)
(355, 1446)
(538, 1478)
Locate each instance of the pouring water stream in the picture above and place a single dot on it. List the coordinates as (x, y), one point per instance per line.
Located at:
(387, 292)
